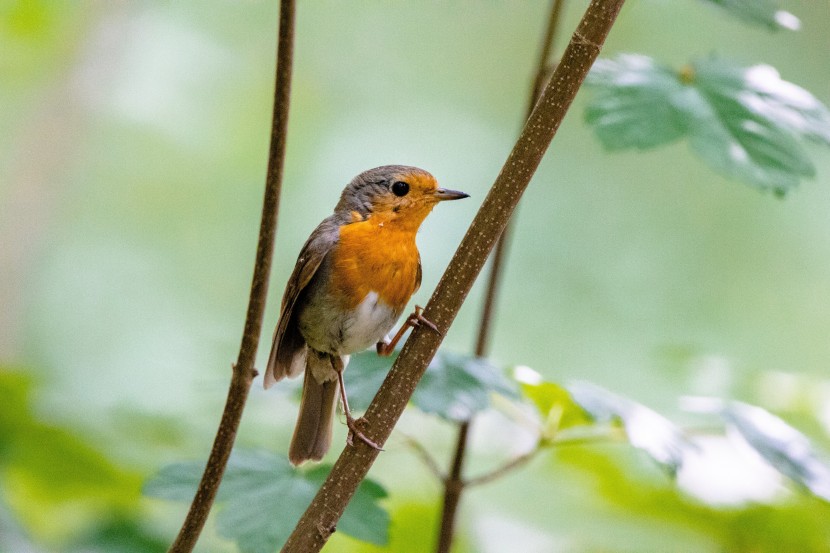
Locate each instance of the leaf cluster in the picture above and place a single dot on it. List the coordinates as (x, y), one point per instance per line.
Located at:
(262, 495)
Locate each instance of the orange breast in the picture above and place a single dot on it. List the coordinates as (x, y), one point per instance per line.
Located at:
(377, 256)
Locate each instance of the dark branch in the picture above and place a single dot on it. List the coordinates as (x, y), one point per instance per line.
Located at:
(243, 370)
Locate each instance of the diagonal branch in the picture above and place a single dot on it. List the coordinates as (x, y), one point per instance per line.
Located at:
(243, 369)
(320, 519)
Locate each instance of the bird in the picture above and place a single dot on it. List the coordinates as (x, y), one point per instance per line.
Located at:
(351, 283)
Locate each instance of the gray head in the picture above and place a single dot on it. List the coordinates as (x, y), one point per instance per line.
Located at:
(400, 191)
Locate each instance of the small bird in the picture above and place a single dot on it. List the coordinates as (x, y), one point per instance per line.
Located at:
(352, 281)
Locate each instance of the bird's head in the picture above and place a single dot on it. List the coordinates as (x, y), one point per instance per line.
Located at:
(397, 194)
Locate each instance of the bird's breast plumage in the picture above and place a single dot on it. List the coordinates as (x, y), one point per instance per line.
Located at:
(361, 288)
(375, 256)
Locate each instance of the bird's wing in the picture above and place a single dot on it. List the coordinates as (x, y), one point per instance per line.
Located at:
(288, 348)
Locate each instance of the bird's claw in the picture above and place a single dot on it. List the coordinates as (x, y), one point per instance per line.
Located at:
(416, 319)
(355, 431)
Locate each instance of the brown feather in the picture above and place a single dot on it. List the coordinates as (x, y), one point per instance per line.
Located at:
(288, 343)
(312, 434)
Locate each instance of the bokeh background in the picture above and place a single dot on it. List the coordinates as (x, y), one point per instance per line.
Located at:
(133, 140)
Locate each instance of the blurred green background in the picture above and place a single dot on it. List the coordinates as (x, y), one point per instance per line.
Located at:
(133, 139)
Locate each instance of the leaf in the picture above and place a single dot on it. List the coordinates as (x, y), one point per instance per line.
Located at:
(764, 13)
(646, 429)
(784, 447)
(555, 404)
(454, 386)
(364, 375)
(118, 536)
(263, 497)
(746, 123)
(40, 483)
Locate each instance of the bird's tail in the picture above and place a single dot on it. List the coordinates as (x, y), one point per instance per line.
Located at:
(312, 435)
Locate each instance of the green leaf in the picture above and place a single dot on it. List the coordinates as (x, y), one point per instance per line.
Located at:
(764, 13)
(364, 375)
(632, 106)
(118, 536)
(263, 497)
(40, 483)
(454, 386)
(555, 404)
(646, 429)
(746, 123)
(784, 447)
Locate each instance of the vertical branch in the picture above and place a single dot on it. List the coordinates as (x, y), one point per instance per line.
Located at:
(243, 370)
(454, 484)
(320, 518)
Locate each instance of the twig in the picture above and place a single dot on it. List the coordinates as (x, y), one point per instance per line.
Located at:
(607, 434)
(243, 370)
(510, 465)
(425, 456)
(454, 486)
(320, 519)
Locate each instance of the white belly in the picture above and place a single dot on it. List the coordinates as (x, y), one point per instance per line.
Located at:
(368, 324)
(328, 329)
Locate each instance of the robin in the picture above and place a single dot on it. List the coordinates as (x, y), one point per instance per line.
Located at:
(352, 281)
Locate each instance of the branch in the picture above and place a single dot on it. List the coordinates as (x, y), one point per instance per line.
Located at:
(243, 370)
(454, 484)
(320, 519)
(508, 466)
(425, 456)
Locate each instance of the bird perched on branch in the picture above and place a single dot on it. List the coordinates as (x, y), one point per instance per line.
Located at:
(352, 281)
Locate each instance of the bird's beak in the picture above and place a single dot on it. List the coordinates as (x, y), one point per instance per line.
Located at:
(442, 194)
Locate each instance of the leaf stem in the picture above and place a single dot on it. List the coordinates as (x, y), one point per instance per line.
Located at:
(243, 370)
(322, 515)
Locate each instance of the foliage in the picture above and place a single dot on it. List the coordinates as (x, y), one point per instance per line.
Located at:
(257, 485)
(784, 447)
(454, 386)
(765, 13)
(744, 122)
(48, 470)
(263, 496)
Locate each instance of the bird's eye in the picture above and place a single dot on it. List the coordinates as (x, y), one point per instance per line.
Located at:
(400, 188)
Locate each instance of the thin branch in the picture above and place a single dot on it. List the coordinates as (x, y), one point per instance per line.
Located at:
(454, 486)
(605, 434)
(425, 456)
(243, 370)
(509, 466)
(320, 519)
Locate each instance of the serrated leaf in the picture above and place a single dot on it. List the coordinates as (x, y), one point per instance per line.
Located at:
(454, 386)
(746, 123)
(262, 497)
(632, 106)
(764, 13)
(783, 447)
(646, 429)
